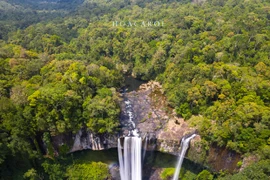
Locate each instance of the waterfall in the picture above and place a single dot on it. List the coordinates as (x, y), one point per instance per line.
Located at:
(77, 141)
(145, 146)
(121, 160)
(184, 147)
(130, 162)
(130, 153)
(129, 112)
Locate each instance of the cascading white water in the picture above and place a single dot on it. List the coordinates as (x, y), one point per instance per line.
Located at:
(184, 147)
(121, 160)
(130, 162)
(145, 146)
(130, 158)
(129, 112)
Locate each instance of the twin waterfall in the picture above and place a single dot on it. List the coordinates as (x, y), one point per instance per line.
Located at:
(130, 147)
(184, 147)
(131, 156)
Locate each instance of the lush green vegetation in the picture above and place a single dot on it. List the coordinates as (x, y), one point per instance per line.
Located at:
(61, 65)
(81, 165)
(21, 14)
(93, 171)
(256, 171)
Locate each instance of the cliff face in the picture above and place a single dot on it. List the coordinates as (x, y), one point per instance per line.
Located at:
(157, 123)
(83, 140)
(88, 140)
(213, 157)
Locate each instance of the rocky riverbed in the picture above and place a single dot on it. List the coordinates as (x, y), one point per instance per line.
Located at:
(155, 119)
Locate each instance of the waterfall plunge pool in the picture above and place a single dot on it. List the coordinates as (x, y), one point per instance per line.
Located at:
(154, 163)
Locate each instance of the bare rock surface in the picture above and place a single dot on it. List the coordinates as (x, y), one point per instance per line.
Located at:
(248, 161)
(154, 117)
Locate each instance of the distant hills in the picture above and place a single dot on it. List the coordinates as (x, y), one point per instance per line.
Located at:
(43, 4)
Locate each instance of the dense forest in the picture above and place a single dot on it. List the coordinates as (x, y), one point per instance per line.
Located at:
(62, 64)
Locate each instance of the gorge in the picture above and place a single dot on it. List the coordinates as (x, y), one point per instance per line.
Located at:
(148, 125)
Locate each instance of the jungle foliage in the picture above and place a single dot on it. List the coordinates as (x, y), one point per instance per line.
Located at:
(61, 66)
